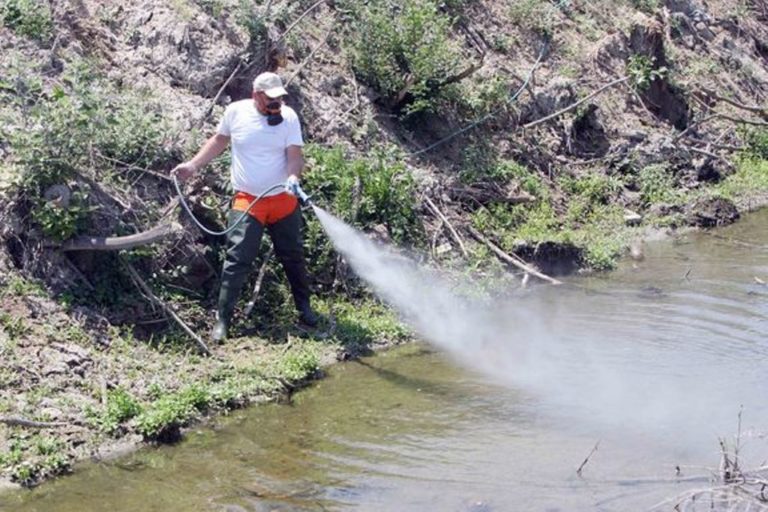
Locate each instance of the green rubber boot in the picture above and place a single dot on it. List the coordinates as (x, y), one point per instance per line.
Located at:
(242, 247)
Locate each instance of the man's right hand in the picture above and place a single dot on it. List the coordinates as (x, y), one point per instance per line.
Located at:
(184, 171)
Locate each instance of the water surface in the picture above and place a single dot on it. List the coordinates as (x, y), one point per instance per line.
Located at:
(654, 361)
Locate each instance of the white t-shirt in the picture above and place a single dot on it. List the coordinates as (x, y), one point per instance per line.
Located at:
(258, 150)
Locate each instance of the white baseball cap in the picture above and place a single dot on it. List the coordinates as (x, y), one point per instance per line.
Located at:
(271, 84)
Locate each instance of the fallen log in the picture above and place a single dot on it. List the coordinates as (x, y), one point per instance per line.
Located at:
(117, 243)
(17, 421)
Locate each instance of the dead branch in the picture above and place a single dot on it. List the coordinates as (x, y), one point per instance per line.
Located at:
(458, 77)
(743, 121)
(144, 287)
(17, 421)
(451, 229)
(694, 125)
(724, 147)
(311, 54)
(259, 280)
(118, 243)
(218, 94)
(132, 167)
(514, 260)
(749, 108)
(573, 106)
(709, 154)
(298, 20)
(586, 460)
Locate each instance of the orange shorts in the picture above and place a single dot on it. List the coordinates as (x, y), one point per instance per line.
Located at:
(269, 209)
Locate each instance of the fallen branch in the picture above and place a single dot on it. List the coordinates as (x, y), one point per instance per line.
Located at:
(451, 229)
(710, 154)
(17, 421)
(695, 124)
(514, 260)
(743, 121)
(715, 145)
(575, 105)
(118, 243)
(218, 94)
(586, 460)
(749, 108)
(298, 20)
(144, 287)
(311, 54)
(259, 280)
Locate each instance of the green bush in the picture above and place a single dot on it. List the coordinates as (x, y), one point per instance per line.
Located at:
(657, 185)
(64, 134)
(534, 15)
(642, 70)
(365, 192)
(30, 18)
(121, 406)
(172, 411)
(397, 43)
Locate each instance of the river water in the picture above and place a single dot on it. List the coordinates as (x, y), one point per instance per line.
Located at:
(654, 361)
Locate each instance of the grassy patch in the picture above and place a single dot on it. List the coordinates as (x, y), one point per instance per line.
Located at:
(29, 18)
(31, 458)
(750, 179)
(121, 406)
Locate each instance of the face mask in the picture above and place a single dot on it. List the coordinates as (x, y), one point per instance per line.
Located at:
(274, 117)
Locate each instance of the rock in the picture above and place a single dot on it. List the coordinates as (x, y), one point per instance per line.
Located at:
(665, 209)
(552, 258)
(712, 211)
(709, 170)
(636, 251)
(631, 218)
(704, 32)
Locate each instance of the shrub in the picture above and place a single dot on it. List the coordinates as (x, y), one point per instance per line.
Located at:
(366, 192)
(399, 45)
(64, 133)
(30, 18)
(657, 185)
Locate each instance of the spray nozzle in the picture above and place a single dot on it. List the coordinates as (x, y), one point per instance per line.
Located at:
(293, 187)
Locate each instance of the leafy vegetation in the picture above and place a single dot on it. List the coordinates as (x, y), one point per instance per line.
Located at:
(366, 192)
(30, 18)
(65, 130)
(642, 71)
(404, 47)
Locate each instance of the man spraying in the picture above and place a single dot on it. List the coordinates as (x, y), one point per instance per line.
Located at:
(267, 145)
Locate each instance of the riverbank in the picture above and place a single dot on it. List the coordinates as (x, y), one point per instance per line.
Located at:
(69, 393)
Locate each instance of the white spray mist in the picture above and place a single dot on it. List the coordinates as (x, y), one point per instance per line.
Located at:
(597, 374)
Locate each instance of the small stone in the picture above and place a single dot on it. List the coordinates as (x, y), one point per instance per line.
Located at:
(631, 218)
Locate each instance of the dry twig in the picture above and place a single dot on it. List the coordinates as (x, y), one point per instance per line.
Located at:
(573, 106)
(17, 421)
(259, 280)
(451, 229)
(144, 287)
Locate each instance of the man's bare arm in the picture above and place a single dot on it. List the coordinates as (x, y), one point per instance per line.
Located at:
(212, 148)
(295, 161)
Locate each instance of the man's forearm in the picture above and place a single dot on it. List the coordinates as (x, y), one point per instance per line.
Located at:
(212, 148)
(295, 166)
